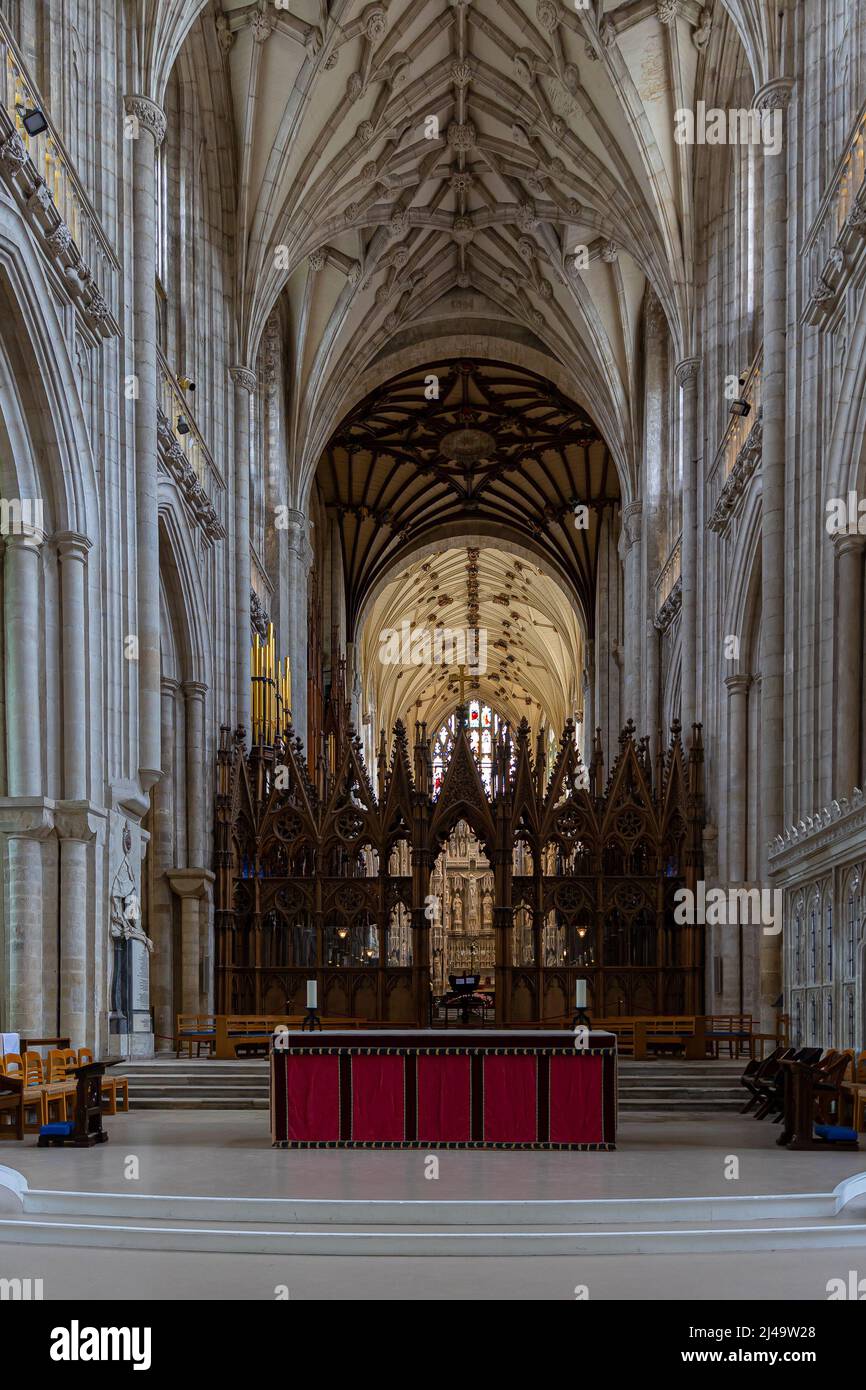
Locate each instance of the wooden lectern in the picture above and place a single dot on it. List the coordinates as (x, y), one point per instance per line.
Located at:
(86, 1128)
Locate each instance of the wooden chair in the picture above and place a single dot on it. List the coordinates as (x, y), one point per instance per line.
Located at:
(59, 1086)
(11, 1107)
(758, 1072)
(855, 1090)
(39, 1099)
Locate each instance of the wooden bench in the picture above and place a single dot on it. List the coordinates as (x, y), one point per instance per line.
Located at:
(639, 1036)
(683, 1034)
(195, 1028)
(251, 1035)
(735, 1030)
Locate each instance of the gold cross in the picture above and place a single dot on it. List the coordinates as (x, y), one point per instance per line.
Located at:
(461, 669)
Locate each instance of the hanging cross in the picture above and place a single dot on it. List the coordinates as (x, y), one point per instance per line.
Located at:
(462, 679)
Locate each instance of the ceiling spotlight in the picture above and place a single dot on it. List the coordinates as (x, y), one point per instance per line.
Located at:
(185, 384)
(740, 407)
(182, 426)
(33, 119)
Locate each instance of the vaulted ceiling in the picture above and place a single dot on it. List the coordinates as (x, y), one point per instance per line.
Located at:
(533, 660)
(422, 168)
(477, 449)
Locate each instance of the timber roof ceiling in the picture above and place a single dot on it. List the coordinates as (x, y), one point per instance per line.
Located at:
(500, 454)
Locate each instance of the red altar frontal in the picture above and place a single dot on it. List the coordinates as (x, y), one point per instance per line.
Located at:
(397, 1089)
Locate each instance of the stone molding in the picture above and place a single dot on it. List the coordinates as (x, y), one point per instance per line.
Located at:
(736, 485)
(631, 520)
(53, 236)
(687, 370)
(244, 377)
(148, 115)
(774, 95)
(181, 470)
(670, 608)
(843, 817)
(738, 685)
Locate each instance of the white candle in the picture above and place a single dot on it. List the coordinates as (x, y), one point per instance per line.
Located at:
(580, 994)
(311, 994)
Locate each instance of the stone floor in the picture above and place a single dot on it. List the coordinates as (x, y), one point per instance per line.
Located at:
(143, 1275)
(225, 1154)
(228, 1153)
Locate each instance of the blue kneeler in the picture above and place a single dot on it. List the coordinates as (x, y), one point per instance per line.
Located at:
(57, 1133)
(836, 1134)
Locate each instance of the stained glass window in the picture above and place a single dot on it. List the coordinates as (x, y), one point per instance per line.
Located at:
(484, 725)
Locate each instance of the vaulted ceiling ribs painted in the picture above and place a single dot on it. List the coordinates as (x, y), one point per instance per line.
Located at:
(496, 452)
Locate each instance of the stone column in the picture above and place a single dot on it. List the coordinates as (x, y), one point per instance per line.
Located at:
(737, 772)
(75, 967)
(631, 546)
(163, 852)
(849, 664)
(588, 703)
(73, 885)
(149, 134)
(24, 699)
(687, 378)
(244, 379)
(300, 557)
(72, 550)
(656, 448)
(191, 886)
(196, 801)
(773, 97)
(651, 683)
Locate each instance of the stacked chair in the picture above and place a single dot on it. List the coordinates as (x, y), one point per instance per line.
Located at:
(810, 1093)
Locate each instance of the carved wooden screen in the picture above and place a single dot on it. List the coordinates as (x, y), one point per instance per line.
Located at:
(333, 882)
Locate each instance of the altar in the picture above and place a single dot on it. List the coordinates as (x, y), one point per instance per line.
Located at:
(425, 1088)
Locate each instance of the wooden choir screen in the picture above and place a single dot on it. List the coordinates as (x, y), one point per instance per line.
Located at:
(330, 880)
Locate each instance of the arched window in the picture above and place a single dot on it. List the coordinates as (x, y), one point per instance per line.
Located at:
(484, 726)
(798, 942)
(828, 941)
(852, 925)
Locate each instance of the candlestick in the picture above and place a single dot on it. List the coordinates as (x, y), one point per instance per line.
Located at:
(311, 1019)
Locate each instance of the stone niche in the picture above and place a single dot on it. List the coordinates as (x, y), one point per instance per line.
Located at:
(129, 948)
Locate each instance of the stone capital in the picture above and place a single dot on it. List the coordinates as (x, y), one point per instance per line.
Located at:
(72, 546)
(148, 115)
(79, 821)
(194, 690)
(687, 370)
(774, 96)
(632, 513)
(27, 538)
(845, 544)
(190, 883)
(244, 377)
(26, 817)
(738, 685)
